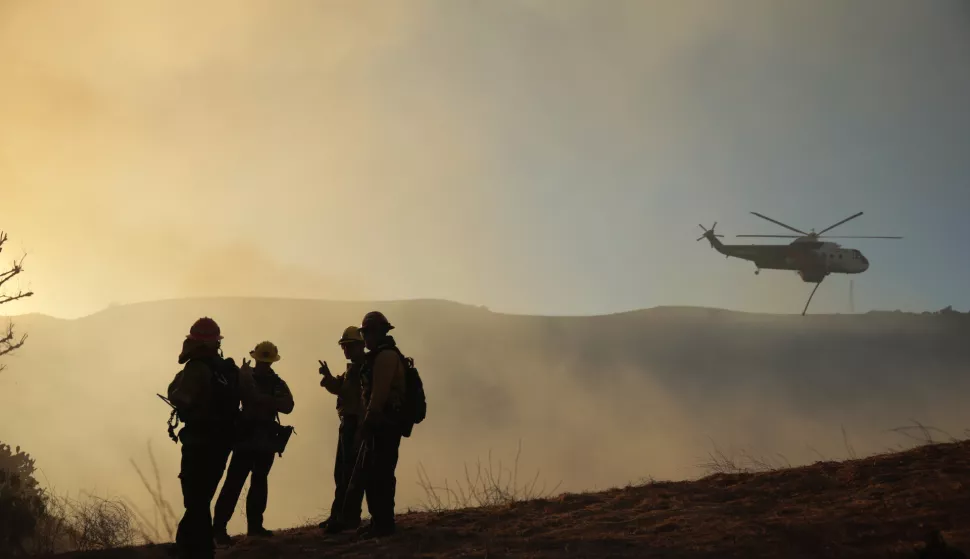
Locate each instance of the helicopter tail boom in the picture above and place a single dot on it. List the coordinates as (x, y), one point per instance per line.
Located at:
(712, 238)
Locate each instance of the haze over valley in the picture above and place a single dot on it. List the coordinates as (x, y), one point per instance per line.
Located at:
(596, 401)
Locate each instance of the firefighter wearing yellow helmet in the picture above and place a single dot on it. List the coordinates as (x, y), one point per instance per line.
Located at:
(264, 395)
(345, 509)
(265, 352)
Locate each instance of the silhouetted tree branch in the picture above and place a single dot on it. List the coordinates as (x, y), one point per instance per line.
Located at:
(9, 341)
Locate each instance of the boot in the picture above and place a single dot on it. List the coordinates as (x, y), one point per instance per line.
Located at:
(221, 537)
(372, 531)
(260, 532)
(334, 525)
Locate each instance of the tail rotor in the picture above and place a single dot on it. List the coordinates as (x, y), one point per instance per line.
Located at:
(708, 231)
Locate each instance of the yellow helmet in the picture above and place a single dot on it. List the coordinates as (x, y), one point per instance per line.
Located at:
(265, 352)
(351, 335)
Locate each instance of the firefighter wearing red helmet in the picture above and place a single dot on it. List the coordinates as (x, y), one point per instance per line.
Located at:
(206, 395)
(205, 330)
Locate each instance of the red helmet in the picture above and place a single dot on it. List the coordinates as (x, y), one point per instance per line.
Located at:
(375, 319)
(205, 330)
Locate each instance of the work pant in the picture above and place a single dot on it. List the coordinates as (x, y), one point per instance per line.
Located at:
(203, 463)
(380, 483)
(243, 463)
(346, 505)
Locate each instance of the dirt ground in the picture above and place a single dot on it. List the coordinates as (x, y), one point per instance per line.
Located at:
(881, 506)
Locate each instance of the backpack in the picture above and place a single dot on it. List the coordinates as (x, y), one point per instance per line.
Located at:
(219, 368)
(415, 406)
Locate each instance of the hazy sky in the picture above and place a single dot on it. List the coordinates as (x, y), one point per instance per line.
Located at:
(540, 157)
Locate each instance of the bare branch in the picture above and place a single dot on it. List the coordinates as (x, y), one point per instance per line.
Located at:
(9, 298)
(7, 347)
(15, 269)
(9, 342)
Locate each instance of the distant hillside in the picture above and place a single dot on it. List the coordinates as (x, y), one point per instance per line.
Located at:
(876, 507)
(596, 401)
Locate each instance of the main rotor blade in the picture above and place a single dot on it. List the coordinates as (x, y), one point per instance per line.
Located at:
(859, 237)
(776, 222)
(839, 223)
(772, 236)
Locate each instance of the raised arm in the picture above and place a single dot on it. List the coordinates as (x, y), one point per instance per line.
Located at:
(247, 386)
(333, 384)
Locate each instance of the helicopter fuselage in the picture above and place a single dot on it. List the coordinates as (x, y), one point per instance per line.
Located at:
(812, 259)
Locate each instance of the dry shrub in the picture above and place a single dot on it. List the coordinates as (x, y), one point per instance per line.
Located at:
(94, 523)
(490, 486)
(22, 502)
(85, 523)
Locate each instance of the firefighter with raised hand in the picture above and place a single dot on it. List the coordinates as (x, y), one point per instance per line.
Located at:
(264, 395)
(383, 391)
(206, 395)
(346, 507)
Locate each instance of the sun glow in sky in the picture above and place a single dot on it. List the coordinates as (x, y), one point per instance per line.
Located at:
(533, 156)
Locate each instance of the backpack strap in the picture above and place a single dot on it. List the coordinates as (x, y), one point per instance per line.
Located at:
(407, 361)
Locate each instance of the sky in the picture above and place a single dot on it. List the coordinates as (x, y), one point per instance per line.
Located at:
(542, 157)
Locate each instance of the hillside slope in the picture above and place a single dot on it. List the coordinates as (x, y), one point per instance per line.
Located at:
(881, 506)
(596, 401)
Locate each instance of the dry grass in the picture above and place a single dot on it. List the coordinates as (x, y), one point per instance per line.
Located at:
(88, 522)
(720, 462)
(746, 506)
(97, 523)
(491, 485)
(881, 506)
(82, 523)
(161, 524)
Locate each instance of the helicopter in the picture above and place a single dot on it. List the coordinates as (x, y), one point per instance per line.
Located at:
(813, 259)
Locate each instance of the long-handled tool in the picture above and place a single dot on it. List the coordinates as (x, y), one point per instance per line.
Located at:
(356, 475)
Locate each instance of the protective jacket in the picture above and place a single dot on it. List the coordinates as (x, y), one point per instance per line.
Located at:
(264, 394)
(382, 381)
(346, 386)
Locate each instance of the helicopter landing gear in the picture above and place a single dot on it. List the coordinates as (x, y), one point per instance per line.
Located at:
(757, 271)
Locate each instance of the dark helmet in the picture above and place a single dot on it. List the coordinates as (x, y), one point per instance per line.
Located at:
(205, 330)
(375, 320)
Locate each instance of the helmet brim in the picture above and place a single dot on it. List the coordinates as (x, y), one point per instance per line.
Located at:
(345, 341)
(204, 338)
(273, 359)
(386, 327)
